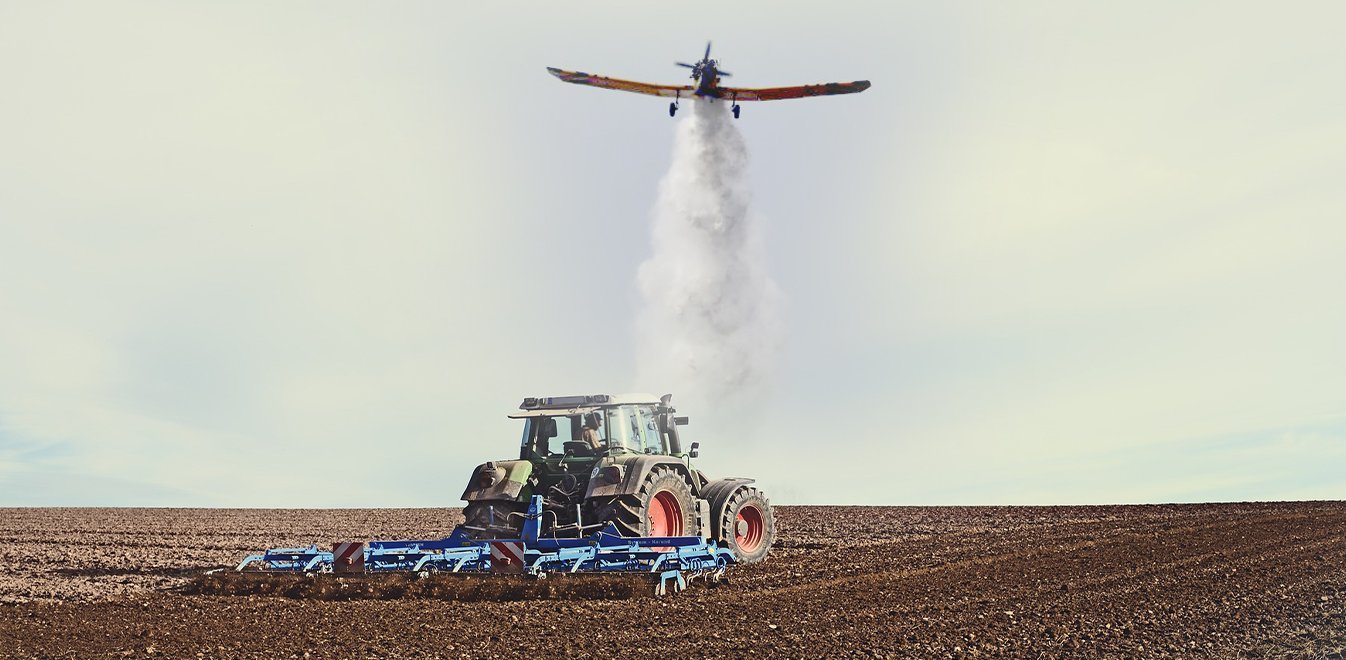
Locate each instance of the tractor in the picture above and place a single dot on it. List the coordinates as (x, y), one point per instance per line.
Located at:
(619, 459)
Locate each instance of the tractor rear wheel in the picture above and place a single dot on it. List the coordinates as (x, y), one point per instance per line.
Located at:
(747, 526)
(494, 519)
(663, 506)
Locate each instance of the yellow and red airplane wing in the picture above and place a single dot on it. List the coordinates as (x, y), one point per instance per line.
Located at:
(580, 78)
(778, 93)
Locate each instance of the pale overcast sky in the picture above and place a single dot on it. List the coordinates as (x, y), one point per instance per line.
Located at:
(310, 253)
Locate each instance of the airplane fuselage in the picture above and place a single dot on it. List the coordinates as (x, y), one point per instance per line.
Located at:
(709, 84)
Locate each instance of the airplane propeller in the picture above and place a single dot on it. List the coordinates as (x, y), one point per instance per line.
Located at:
(697, 68)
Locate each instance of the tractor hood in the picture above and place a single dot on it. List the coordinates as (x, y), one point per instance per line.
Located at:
(498, 480)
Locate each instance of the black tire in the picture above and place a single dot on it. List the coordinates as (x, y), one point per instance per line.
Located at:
(747, 525)
(672, 109)
(494, 518)
(644, 513)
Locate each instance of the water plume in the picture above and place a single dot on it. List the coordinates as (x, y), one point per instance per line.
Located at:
(710, 327)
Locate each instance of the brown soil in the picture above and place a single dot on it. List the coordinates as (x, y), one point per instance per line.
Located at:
(1191, 580)
(389, 586)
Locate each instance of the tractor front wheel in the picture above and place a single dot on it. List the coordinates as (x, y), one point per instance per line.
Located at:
(747, 526)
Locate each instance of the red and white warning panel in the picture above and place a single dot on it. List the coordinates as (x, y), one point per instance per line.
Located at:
(348, 557)
(506, 556)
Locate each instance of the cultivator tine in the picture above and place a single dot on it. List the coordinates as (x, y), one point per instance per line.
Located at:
(675, 578)
(250, 559)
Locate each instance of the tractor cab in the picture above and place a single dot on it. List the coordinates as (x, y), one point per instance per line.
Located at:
(558, 436)
(563, 459)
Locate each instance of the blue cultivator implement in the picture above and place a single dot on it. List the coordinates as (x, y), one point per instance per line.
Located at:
(671, 560)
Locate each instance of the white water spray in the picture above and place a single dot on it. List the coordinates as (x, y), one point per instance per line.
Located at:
(710, 329)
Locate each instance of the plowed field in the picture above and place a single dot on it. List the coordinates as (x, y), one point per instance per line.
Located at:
(1191, 580)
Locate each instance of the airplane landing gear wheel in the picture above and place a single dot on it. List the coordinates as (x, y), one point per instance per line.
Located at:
(672, 109)
(736, 109)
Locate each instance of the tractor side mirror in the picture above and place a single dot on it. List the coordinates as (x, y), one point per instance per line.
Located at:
(695, 450)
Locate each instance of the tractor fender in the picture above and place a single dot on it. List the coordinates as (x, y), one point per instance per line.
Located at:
(718, 493)
(498, 480)
(635, 470)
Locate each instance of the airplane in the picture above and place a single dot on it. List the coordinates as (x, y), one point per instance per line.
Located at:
(707, 74)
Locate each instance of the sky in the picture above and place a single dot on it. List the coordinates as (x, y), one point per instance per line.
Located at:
(310, 254)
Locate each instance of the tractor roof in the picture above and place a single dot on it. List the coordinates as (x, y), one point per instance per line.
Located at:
(585, 401)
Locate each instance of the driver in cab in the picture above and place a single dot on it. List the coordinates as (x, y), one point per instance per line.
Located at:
(590, 435)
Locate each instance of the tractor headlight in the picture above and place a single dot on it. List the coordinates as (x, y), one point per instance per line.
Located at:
(612, 474)
(489, 475)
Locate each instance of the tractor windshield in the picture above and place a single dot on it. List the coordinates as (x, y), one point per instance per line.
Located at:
(633, 429)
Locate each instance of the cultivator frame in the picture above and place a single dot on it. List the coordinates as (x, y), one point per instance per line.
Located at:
(672, 560)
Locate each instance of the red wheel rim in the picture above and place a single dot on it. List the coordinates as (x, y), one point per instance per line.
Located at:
(665, 515)
(749, 529)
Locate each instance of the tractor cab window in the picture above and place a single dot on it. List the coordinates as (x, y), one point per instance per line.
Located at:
(633, 429)
(650, 441)
(546, 437)
(620, 437)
